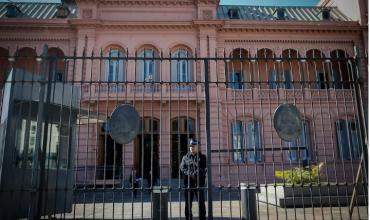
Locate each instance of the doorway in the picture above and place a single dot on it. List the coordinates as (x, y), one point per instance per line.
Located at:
(110, 158)
(146, 162)
(182, 129)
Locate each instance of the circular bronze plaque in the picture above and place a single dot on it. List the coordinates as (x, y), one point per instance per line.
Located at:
(124, 124)
(287, 122)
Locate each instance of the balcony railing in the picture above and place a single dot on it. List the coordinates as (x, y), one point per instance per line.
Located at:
(290, 94)
(162, 90)
(192, 91)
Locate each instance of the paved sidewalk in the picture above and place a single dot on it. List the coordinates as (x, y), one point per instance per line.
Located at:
(221, 210)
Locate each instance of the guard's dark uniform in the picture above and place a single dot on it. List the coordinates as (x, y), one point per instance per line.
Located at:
(194, 175)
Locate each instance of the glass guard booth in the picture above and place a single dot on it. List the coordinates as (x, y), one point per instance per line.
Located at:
(38, 127)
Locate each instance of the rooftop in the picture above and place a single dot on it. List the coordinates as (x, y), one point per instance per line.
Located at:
(33, 10)
(300, 13)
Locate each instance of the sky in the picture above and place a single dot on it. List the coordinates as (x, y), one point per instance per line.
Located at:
(226, 2)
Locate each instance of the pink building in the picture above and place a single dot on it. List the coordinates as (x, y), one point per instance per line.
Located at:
(300, 55)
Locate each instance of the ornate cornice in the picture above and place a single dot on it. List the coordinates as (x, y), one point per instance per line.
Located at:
(132, 25)
(35, 34)
(156, 3)
(128, 3)
(222, 26)
(291, 41)
(296, 26)
(33, 24)
(34, 38)
(208, 2)
(209, 23)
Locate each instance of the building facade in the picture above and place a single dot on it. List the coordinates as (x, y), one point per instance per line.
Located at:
(152, 53)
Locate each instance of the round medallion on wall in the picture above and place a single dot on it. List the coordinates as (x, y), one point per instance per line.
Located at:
(124, 124)
(287, 122)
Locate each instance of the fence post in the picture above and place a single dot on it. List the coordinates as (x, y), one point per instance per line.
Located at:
(208, 137)
(358, 83)
(248, 202)
(38, 166)
(160, 201)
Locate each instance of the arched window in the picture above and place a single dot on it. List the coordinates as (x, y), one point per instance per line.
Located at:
(237, 69)
(57, 64)
(183, 125)
(348, 139)
(267, 68)
(300, 149)
(272, 80)
(114, 66)
(290, 68)
(181, 70)
(287, 79)
(340, 70)
(25, 60)
(148, 69)
(246, 141)
(316, 70)
(149, 126)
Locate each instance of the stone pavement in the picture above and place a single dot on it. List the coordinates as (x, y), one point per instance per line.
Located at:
(221, 210)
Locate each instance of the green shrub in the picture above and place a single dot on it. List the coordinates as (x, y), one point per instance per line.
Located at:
(300, 175)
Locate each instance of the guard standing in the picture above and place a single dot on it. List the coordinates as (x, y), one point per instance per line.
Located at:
(193, 166)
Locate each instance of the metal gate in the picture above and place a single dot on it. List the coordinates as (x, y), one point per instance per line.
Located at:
(58, 159)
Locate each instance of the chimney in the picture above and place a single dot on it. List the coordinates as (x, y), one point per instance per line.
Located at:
(280, 13)
(233, 13)
(62, 11)
(325, 13)
(12, 11)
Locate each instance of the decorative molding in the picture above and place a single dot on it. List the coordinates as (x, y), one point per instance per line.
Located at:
(209, 23)
(34, 38)
(296, 27)
(130, 3)
(208, 2)
(145, 25)
(34, 25)
(291, 41)
(207, 14)
(87, 13)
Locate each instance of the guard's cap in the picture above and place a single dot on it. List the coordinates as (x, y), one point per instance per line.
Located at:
(193, 142)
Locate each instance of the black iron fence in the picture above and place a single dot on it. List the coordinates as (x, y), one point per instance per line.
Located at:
(59, 160)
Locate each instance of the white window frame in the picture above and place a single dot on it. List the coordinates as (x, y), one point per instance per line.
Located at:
(244, 141)
(256, 145)
(273, 84)
(183, 75)
(148, 67)
(285, 80)
(351, 137)
(325, 82)
(232, 82)
(177, 66)
(114, 69)
(237, 141)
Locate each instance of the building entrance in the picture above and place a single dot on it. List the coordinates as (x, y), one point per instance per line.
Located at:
(146, 163)
(110, 158)
(182, 129)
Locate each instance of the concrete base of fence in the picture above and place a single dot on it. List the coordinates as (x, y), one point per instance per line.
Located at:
(290, 197)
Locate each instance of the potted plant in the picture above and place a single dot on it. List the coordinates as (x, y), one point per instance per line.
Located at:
(302, 187)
